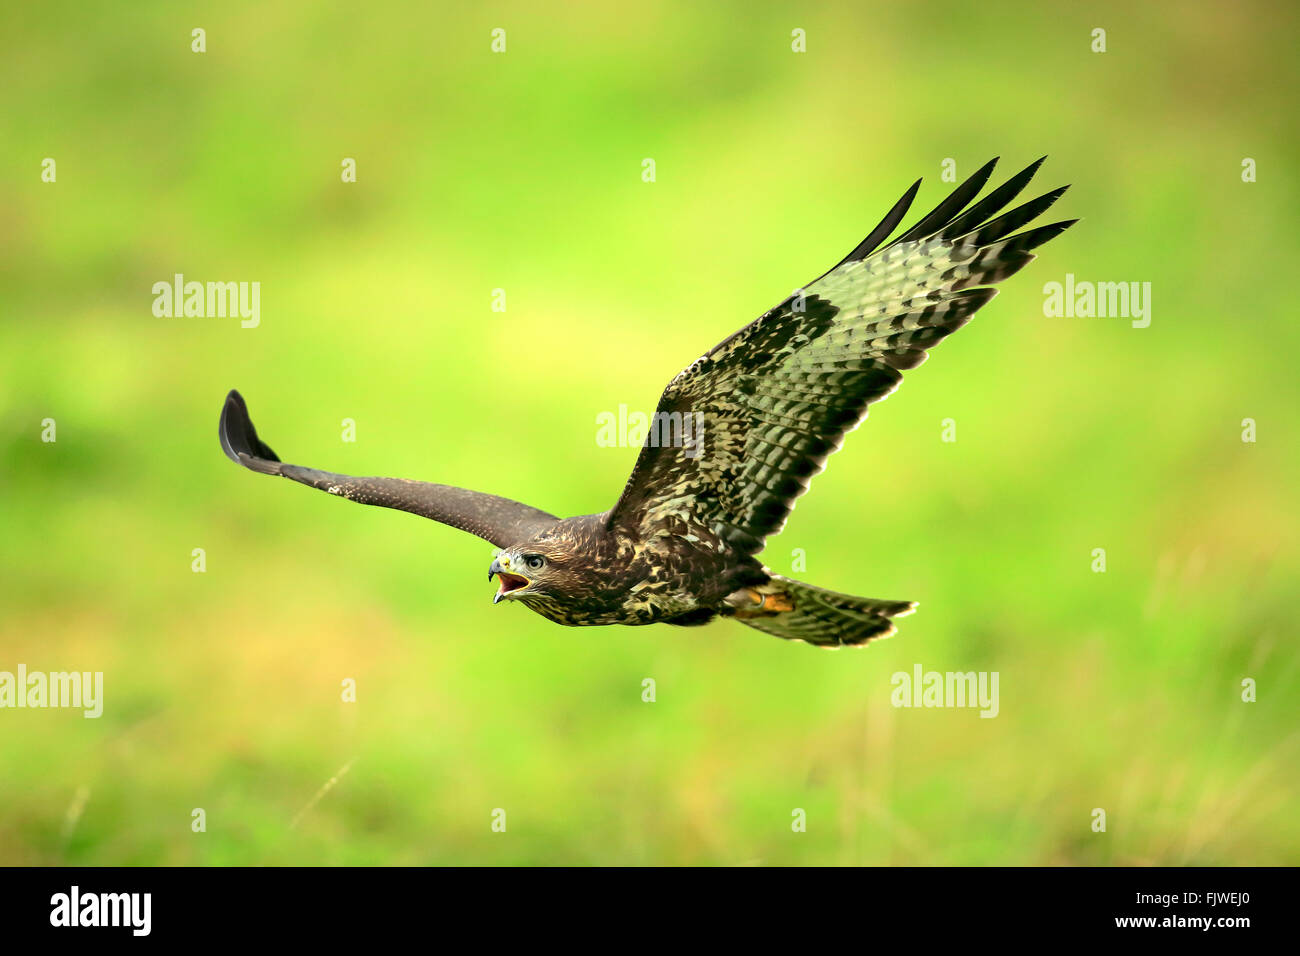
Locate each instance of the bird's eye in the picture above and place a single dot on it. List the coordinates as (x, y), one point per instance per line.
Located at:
(534, 562)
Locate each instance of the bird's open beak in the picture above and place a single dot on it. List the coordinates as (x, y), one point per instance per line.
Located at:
(510, 583)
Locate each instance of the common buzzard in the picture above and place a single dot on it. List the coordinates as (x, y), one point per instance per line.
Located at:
(770, 403)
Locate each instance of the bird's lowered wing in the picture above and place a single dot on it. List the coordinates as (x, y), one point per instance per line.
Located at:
(499, 520)
(770, 403)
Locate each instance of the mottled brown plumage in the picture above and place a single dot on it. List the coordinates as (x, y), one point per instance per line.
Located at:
(770, 403)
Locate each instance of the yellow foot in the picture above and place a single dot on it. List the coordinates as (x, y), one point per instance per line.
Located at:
(750, 602)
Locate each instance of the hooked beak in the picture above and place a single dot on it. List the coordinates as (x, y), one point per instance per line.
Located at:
(510, 583)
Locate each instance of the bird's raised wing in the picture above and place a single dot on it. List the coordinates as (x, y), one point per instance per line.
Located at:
(499, 520)
(770, 403)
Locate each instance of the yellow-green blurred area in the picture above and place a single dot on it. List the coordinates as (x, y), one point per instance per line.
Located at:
(522, 171)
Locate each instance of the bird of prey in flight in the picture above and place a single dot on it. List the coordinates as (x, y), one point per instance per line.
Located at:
(772, 401)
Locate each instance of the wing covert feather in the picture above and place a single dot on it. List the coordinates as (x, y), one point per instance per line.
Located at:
(498, 520)
(774, 400)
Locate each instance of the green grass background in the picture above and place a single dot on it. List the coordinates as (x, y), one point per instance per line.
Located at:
(521, 171)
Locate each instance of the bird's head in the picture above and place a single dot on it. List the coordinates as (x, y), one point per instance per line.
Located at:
(528, 571)
(560, 567)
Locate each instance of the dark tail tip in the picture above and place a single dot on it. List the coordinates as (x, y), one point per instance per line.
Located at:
(239, 438)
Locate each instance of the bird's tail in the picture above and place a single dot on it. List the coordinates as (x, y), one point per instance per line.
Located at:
(800, 612)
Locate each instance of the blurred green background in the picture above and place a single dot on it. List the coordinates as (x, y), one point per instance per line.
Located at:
(522, 171)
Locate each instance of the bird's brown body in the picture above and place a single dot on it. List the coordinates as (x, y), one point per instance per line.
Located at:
(768, 405)
(678, 578)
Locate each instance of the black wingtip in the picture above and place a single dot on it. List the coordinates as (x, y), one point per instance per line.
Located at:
(993, 203)
(884, 228)
(1034, 238)
(239, 438)
(1009, 222)
(943, 214)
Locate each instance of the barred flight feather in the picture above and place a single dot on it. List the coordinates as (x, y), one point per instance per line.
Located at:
(778, 397)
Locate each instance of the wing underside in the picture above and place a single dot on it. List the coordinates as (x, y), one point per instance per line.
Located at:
(777, 398)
